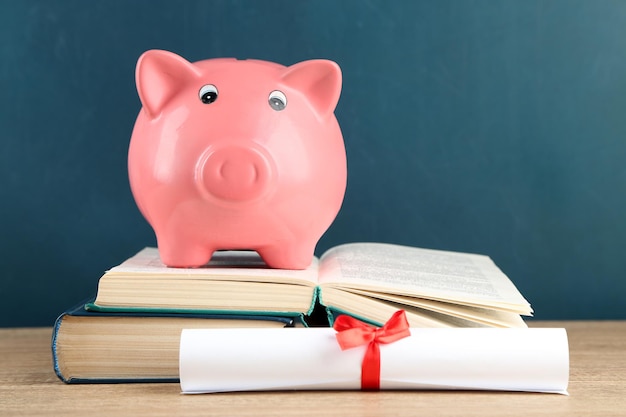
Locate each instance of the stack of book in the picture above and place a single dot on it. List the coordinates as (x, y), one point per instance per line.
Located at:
(131, 330)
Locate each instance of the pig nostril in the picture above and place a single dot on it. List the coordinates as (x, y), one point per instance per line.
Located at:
(239, 172)
(234, 173)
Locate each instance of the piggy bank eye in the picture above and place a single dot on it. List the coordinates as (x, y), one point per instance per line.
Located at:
(277, 100)
(208, 94)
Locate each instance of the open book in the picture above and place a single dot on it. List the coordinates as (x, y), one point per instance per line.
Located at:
(369, 281)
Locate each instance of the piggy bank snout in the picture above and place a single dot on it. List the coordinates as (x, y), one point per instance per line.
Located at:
(235, 173)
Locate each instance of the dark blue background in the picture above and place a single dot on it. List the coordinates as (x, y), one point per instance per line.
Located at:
(495, 127)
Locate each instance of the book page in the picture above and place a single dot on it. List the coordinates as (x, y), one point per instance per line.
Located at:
(487, 316)
(224, 265)
(435, 274)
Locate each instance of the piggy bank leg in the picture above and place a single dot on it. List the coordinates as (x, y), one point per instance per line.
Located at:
(177, 254)
(288, 256)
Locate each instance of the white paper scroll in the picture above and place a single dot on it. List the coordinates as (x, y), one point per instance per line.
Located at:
(218, 360)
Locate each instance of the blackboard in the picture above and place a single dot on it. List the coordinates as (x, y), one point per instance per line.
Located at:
(481, 126)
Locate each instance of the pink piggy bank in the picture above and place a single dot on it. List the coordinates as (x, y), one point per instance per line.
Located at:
(237, 154)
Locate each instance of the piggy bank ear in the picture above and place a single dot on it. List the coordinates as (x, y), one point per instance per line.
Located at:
(159, 75)
(319, 80)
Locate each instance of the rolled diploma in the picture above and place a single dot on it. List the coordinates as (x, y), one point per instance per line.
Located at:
(218, 360)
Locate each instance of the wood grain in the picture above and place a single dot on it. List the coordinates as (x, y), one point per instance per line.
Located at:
(29, 387)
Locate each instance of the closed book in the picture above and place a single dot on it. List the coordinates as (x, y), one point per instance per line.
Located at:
(90, 346)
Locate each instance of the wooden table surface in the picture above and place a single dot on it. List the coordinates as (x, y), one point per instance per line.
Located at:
(29, 387)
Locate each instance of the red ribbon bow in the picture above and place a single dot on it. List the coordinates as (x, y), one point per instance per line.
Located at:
(352, 333)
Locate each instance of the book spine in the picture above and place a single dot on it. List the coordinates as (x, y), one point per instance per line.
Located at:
(70, 380)
(55, 353)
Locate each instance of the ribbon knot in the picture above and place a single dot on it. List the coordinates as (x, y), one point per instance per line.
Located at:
(352, 333)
